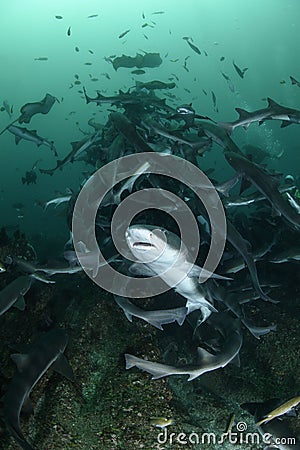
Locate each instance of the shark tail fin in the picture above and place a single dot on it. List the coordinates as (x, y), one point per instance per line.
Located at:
(158, 370)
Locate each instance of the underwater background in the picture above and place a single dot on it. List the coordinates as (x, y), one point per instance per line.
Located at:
(60, 46)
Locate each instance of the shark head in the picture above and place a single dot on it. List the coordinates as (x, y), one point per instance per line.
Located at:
(147, 243)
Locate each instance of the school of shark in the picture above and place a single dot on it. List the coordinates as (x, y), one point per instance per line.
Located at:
(262, 211)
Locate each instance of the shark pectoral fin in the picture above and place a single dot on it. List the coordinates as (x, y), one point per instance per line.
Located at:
(285, 123)
(291, 413)
(182, 313)
(245, 184)
(20, 303)
(17, 139)
(27, 407)
(21, 360)
(62, 366)
(128, 315)
(203, 274)
(204, 357)
(155, 324)
(236, 361)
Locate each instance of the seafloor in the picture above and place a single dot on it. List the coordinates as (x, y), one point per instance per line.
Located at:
(109, 407)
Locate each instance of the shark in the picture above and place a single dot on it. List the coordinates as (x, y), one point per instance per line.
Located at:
(57, 201)
(199, 146)
(46, 352)
(128, 130)
(207, 362)
(127, 98)
(231, 300)
(155, 318)
(254, 198)
(78, 147)
(162, 254)
(274, 111)
(13, 294)
(266, 184)
(30, 135)
(33, 268)
(244, 249)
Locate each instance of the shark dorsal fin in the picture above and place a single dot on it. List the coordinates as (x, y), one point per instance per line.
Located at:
(272, 103)
(245, 184)
(285, 123)
(62, 366)
(20, 303)
(242, 113)
(21, 360)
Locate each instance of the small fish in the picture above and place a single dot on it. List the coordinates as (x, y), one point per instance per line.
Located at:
(214, 99)
(87, 63)
(158, 12)
(193, 47)
(106, 75)
(123, 34)
(94, 79)
(41, 58)
(161, 422)
(59, 17)
(77, 82)
(69, 31)
(138, 72)
(204, 92)
(282, 82)
(92, 16)
(145, 36)
(294, 81)
(241, 72)
(76, 76)
(147, 25)
(143, 16)
(76, 49)
(174, 60)
(230, 424)
(222, 58)
(91, 51)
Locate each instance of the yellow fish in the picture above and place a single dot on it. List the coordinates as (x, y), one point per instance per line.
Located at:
(280, 410)
(161, 422)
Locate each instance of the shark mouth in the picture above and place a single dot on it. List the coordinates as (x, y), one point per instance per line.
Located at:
(142, 244)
